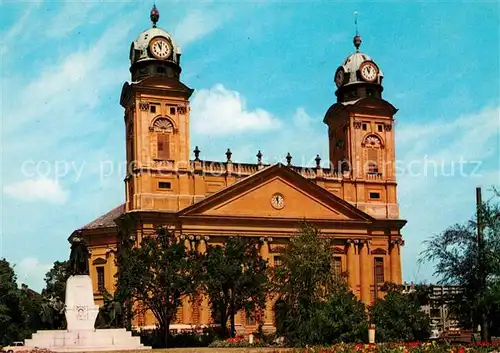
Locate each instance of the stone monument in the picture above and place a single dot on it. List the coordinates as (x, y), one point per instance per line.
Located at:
(81, 313)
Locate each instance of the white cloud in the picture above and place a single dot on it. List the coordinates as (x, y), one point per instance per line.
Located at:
(10, 36)
(469, 136)
(219, 111)
(32, 272)
(433, 198)
(72, 16)
(33, 190)
(197, 24)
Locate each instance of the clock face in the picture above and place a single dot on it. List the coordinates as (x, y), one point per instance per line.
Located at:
(278, 201)
(132, 52)
(369, 71)
(339, 76)
(160, 48)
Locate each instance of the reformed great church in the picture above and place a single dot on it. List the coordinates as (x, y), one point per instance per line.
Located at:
(353, 202)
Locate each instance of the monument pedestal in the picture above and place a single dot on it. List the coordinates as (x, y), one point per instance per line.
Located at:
(80, 336)
(81, 312)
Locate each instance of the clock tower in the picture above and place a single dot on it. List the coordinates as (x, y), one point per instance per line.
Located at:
(156, 106)
(361, 130)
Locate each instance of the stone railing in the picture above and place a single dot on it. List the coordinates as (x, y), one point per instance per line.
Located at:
(373, 176)
(242, 169)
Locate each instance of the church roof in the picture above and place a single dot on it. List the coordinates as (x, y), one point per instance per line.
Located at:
(107, 220)
(306, 186)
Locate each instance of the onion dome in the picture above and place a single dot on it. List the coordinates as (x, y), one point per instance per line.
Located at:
(154, 52)
(359, 76)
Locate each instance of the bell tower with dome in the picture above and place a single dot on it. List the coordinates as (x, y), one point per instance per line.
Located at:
(361, 129)
(156, 106)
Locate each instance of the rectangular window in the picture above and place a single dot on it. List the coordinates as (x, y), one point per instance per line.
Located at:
(364, 127)
(379, 270)
(100, 278)
(374, 195)
(164, 185)
(380, 128)
(277, 261)
(172, 110)
(372, 155)
(337, 265)
(163, 147)
(152, 108)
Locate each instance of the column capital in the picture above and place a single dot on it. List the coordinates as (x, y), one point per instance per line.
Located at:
(365, 242)
(398, 241)
(265, 239)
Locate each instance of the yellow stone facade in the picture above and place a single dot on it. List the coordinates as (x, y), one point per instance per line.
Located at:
(353, 201)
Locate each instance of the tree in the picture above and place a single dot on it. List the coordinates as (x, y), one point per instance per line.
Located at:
(473, 263)
(31, 302)
(315, 303)
(399, 317)
(12, 316)
(235, 279)
(55, 280)
(158, 274)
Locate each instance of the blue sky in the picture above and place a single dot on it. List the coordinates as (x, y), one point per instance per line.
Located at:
(263, 75)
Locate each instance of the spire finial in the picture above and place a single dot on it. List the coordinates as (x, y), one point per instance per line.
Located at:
(155, 15)
(357, 37)
(356, 21)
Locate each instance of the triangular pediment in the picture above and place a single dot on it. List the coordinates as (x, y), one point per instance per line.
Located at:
(276, 192)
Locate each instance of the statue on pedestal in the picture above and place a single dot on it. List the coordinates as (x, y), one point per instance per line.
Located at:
(79, 257)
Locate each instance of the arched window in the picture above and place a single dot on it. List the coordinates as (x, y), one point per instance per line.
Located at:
(373, 155)
(163, 129)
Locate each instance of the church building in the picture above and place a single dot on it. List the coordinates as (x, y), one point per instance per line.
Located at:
(353, 201)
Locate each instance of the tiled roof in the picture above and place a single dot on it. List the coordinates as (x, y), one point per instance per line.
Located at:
(106, 220)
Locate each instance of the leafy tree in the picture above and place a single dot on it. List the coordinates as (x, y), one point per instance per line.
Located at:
(398, 317)
(461, 259)
(31, 302)
(235, 278)
(55, 280)
(12, 315)
(315, 303)
(159, 273)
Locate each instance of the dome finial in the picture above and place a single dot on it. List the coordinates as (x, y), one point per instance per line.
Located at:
(357, 37)
(155, 15)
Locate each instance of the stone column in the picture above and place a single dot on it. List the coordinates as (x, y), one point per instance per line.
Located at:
(395, 254)
(351, 267)
(365, 272)
(186, 304)
(204, 305)
(264, 253)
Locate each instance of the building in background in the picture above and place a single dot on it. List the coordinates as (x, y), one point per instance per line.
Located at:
(351, 198)
(438, 308)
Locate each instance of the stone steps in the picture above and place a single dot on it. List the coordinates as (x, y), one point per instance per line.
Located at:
(85, 340)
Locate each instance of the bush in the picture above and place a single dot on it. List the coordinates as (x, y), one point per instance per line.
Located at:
(399, 318)
(341, 318)
(410, 347)
(238, 342)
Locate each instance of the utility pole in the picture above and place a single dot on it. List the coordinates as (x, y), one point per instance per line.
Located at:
(480, 257)
(479, 202)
